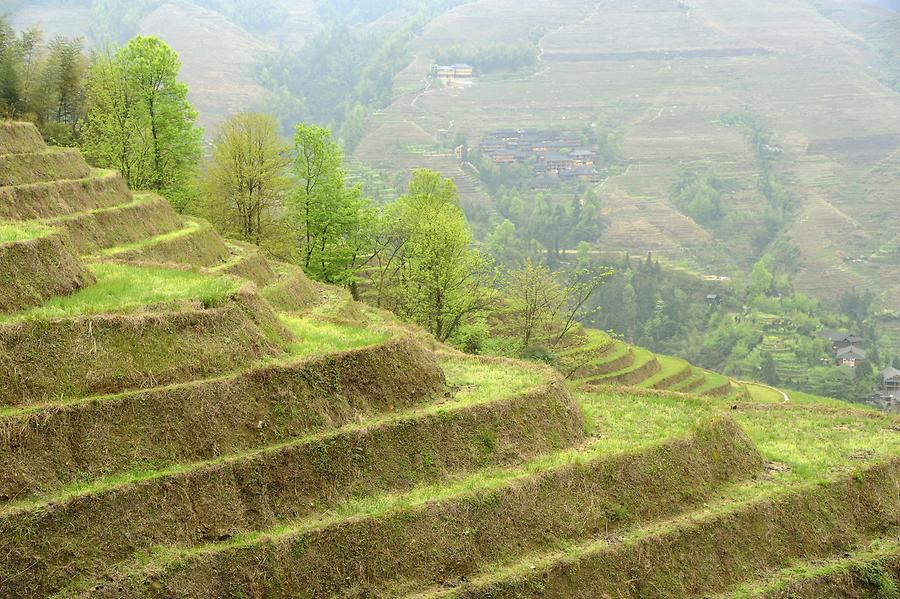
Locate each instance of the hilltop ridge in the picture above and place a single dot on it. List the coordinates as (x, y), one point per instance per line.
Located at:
(182, 417)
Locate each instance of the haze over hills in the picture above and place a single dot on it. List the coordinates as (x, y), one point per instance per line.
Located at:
(295, 359)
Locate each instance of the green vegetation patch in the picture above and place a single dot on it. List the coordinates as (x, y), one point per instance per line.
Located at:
(122, 289)
(486, 519)
(873, 573)
(312, 336)
(12, 232)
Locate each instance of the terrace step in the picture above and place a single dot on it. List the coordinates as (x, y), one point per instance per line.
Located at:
(147, 215)
(36, 269)
(643, 366)
(708, 551)
(873, 572)
(45, 360)
(196, 243)
(204, 502)
(618, 357)
(247, 262)
(402, 544)
(43, 166)
(20, 138)
(53, 199)
(672, 372)
(48, 447)
(697, 379)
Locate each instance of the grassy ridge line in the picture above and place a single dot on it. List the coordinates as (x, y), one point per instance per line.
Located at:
(871, 573)
(672, 371)
(42, 451)
(144, 216)
(39, 167)
(196, 244)
(293, 292)
(710, 550)
(619, 356)
(256, 490)
(55, 199)
(644, 366)
(49, 360)
(247, 262)
(34, 270)
(402, 545)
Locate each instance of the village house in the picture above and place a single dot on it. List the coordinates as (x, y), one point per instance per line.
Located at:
(554, 162)
(842, 340)
(457, 73)
(583, 157)
(850, 356)
(889, 380)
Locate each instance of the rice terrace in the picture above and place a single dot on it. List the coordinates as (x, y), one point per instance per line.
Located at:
(520, 329)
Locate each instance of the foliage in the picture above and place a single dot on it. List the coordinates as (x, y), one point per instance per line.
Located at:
(698, 195)
(762, 330)
(245, 182)
(534, 297)
(343, 73)
(334, 225)
(490, 58)
(139, 121)
(122, 288)
(428, 271)
(42, 82)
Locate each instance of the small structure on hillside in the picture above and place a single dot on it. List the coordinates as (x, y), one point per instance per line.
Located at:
(889, 380)
(842, 340)
(850, 356)
(713, 300)
(457, 73)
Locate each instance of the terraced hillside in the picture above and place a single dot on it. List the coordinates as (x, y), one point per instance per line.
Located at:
(179, 417)
(662, 73)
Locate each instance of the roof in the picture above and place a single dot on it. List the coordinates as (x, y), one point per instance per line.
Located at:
(889, 373)
(584, 152)
(555, 157)
(842, 337)
(850, 353)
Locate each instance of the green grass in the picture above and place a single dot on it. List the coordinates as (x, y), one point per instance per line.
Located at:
(622, 421)
(189, 228)
(642, 357)
(12, 232)
(763, 394)
(476, 383)
(120, 288)
(861, 561)
(670, 367)
(713, 381)
(319, 337)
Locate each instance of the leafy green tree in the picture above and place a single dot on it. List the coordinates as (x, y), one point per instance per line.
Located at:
(430, 273)
(534, 296)
(140, 121)
(334, 224)
(245, 183)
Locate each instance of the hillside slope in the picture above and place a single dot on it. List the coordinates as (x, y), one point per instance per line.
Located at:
(663, 74)
(179, 417)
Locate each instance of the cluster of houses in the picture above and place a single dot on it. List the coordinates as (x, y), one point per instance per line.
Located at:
(557, 156)
(455, 74)
(887, 397)
(847, 349)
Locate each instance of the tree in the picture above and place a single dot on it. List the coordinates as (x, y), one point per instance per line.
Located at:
(334, 224)
(583, 280)
(140, 121)
(535, 296)
(429, 271)
(245, 183)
